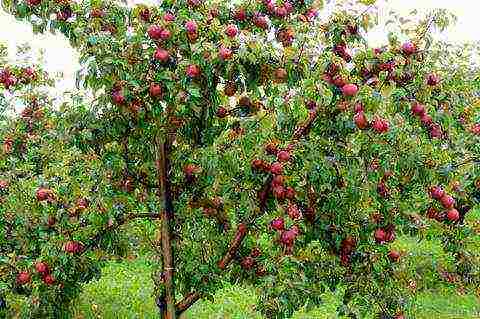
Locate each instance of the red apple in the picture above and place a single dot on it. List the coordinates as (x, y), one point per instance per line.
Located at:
(42, 268)
(145, 14)
(453, 215)
(169, 17)
(288, 237)
(380, 125)
(23, 278)
(118, 98)
(283, 156)
(408, 48)
(418, 109)
(437, 192)
(191, 26)
(360, 120)
(433, 79)
(278, 224)
(49, 280)
(380, 235)
(293, 212)
(276, 168)
(447, 201)
(225, 53)
(154, 32)
(240, 15)
(192, 71)
(231, 30)
(161, 55)
(349, 89)
(394, 255)
(155, 90)
(43, 194)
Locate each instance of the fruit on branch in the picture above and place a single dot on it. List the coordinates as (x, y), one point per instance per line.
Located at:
(260, 21)
(23, 278)
(49, 280)
(380, 125)
(271, 148)
(222, 112)
(360, 120)
(293, 212)
(33, 3)
(288, 237)
(165, 34)
(433, 79)
(408, 48)
(278, 224)
(380, 235)
(290, 193)
(283, 156)
(240, 14)
(3, 185)
(42, 268)
(97, 13)
(118, 98)
(225, 53)
(161, 55)
(437, 192)
(168, 17)
(73, 247)
(394, 255)
(279, 192)
(281, 74)
(191, 26)
(144, 14)
(154, 32)
(155, 90)
(277, 180)
(447, 201)
(44, 194)
(192, 71)
(426, 120)
(418, 109)
(350, 90)
(276, 168)
(231, 30)
(435, 131)
(453, 215)
(432, 213)
(248, 263)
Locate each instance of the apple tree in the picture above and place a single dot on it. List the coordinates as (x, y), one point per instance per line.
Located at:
(275, 149)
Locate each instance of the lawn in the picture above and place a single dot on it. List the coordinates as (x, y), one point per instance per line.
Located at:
(124, 291)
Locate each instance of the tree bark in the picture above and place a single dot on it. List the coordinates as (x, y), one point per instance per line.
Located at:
(163, 144)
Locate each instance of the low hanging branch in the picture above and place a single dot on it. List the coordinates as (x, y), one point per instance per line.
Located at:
(242, 229)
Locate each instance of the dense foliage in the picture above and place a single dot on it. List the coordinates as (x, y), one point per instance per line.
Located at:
(272, 148)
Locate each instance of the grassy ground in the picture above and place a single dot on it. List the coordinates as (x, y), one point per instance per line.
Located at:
(124, 291)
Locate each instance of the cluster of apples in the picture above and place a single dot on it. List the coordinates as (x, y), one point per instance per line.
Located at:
(44, 272)
(447, 202)
(420, 111)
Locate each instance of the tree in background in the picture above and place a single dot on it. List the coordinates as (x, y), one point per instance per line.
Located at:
(273, 149)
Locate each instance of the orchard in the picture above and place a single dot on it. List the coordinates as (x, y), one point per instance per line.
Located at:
(263, 144)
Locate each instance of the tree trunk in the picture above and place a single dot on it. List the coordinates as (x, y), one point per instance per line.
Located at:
(163, 144)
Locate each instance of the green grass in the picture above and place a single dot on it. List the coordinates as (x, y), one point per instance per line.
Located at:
(125, 291)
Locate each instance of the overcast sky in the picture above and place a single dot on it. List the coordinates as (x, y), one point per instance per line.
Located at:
(61, 58)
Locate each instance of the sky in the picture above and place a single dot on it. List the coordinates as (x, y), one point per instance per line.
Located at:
(60, 57)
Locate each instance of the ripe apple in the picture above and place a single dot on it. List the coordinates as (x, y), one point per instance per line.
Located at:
(260, 21)
(225, 53)
(293, 212)
(278, 224)
(394, 255)
(358, 107)
(165, 34)
(418, 109)
(350, 90)
(240, 15)
(42, 268)
(3, 185)
(49, 280)
(248, 263)
(279, 192)
(168, 17)
(161, 55)
(191, 26)
(453, 215)
(222, 112)
(426, 119)
(118, 98)
(408, 48)
(433, 79)
(145, 14)
(288, 237)
(192, 71)
(257, 164)
(231, 30)
(154, 32)
(380, 125)
(276, 168)
(72, 247)
(283, 156)
(277, 180)
(437, 192)
(43, 194)
(23, 278)
(447, 201)
(155, 90)
(33, 3)
(360, 120)
(380, 235)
